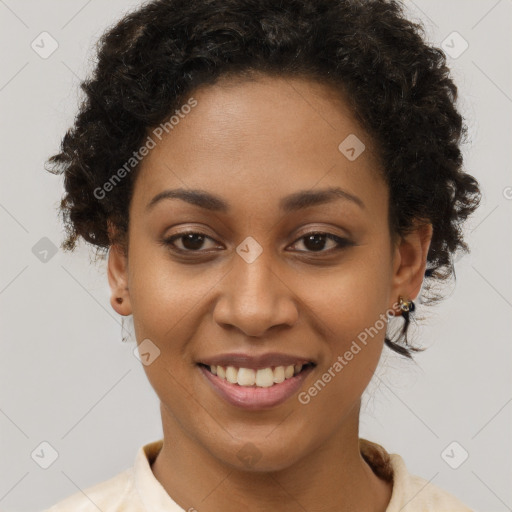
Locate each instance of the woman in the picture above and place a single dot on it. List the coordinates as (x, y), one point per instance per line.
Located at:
(274, 183)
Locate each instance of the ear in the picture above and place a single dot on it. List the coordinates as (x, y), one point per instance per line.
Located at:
(410, 262)
(117, 271)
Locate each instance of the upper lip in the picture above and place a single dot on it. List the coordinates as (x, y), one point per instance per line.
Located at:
(255, 361)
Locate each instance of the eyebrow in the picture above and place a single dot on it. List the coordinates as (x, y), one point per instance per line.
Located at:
(293, 202)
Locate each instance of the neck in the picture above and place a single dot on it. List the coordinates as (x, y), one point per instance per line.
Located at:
(334, 474)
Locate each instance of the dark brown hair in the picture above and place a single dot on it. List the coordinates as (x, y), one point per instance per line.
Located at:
(397, 85)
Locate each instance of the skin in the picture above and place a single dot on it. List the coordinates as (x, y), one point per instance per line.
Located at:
(252, 143)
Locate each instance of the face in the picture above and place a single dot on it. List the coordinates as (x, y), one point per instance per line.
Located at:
(269, 277)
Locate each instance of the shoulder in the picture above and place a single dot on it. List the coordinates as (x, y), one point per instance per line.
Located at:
(107, 496)
(133, 490)
(411, 493)
(416, 494)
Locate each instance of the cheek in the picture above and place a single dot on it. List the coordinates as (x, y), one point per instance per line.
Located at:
(168, 303)
(164, 294)
(350, 315)
(352, 323)
(351, 298)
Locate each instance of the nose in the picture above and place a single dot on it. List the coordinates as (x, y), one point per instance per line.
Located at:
(254, 298)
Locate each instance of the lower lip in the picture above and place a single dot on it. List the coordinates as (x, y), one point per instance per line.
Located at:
(255, 397)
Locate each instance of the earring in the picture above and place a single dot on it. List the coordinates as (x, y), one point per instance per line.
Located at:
(119, 300)
(124, 335)
(406, 306)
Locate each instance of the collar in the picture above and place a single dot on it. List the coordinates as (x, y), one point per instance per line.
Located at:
(151, 492)
(155, 498)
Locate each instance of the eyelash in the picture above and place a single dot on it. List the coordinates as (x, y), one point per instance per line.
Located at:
(342, 242)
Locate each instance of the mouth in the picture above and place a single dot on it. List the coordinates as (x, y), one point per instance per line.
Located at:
(257, 377)
(256, 388)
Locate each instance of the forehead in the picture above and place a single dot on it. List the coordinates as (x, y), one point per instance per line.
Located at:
(255, 141)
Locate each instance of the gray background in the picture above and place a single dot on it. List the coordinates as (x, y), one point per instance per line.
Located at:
(67, 379)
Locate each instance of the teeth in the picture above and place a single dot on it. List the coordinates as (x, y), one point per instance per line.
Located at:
(246, 377)
(279, 374)
(265, 378)
(262, 378)
(231, 374)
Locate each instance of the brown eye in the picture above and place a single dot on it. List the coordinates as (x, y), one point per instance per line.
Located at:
(191, 241)
(316, 242)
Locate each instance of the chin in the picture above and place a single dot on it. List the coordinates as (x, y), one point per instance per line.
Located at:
(258, 455)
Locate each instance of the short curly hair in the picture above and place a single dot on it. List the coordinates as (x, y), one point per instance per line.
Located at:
(398, 87)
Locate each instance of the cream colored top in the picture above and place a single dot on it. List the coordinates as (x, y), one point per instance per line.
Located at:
(137, 490)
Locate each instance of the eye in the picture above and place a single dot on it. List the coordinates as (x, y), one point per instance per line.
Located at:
(192, 241)
(316, 240)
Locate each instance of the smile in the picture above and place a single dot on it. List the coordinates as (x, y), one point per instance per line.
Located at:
(255, 389)
(261, 378)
